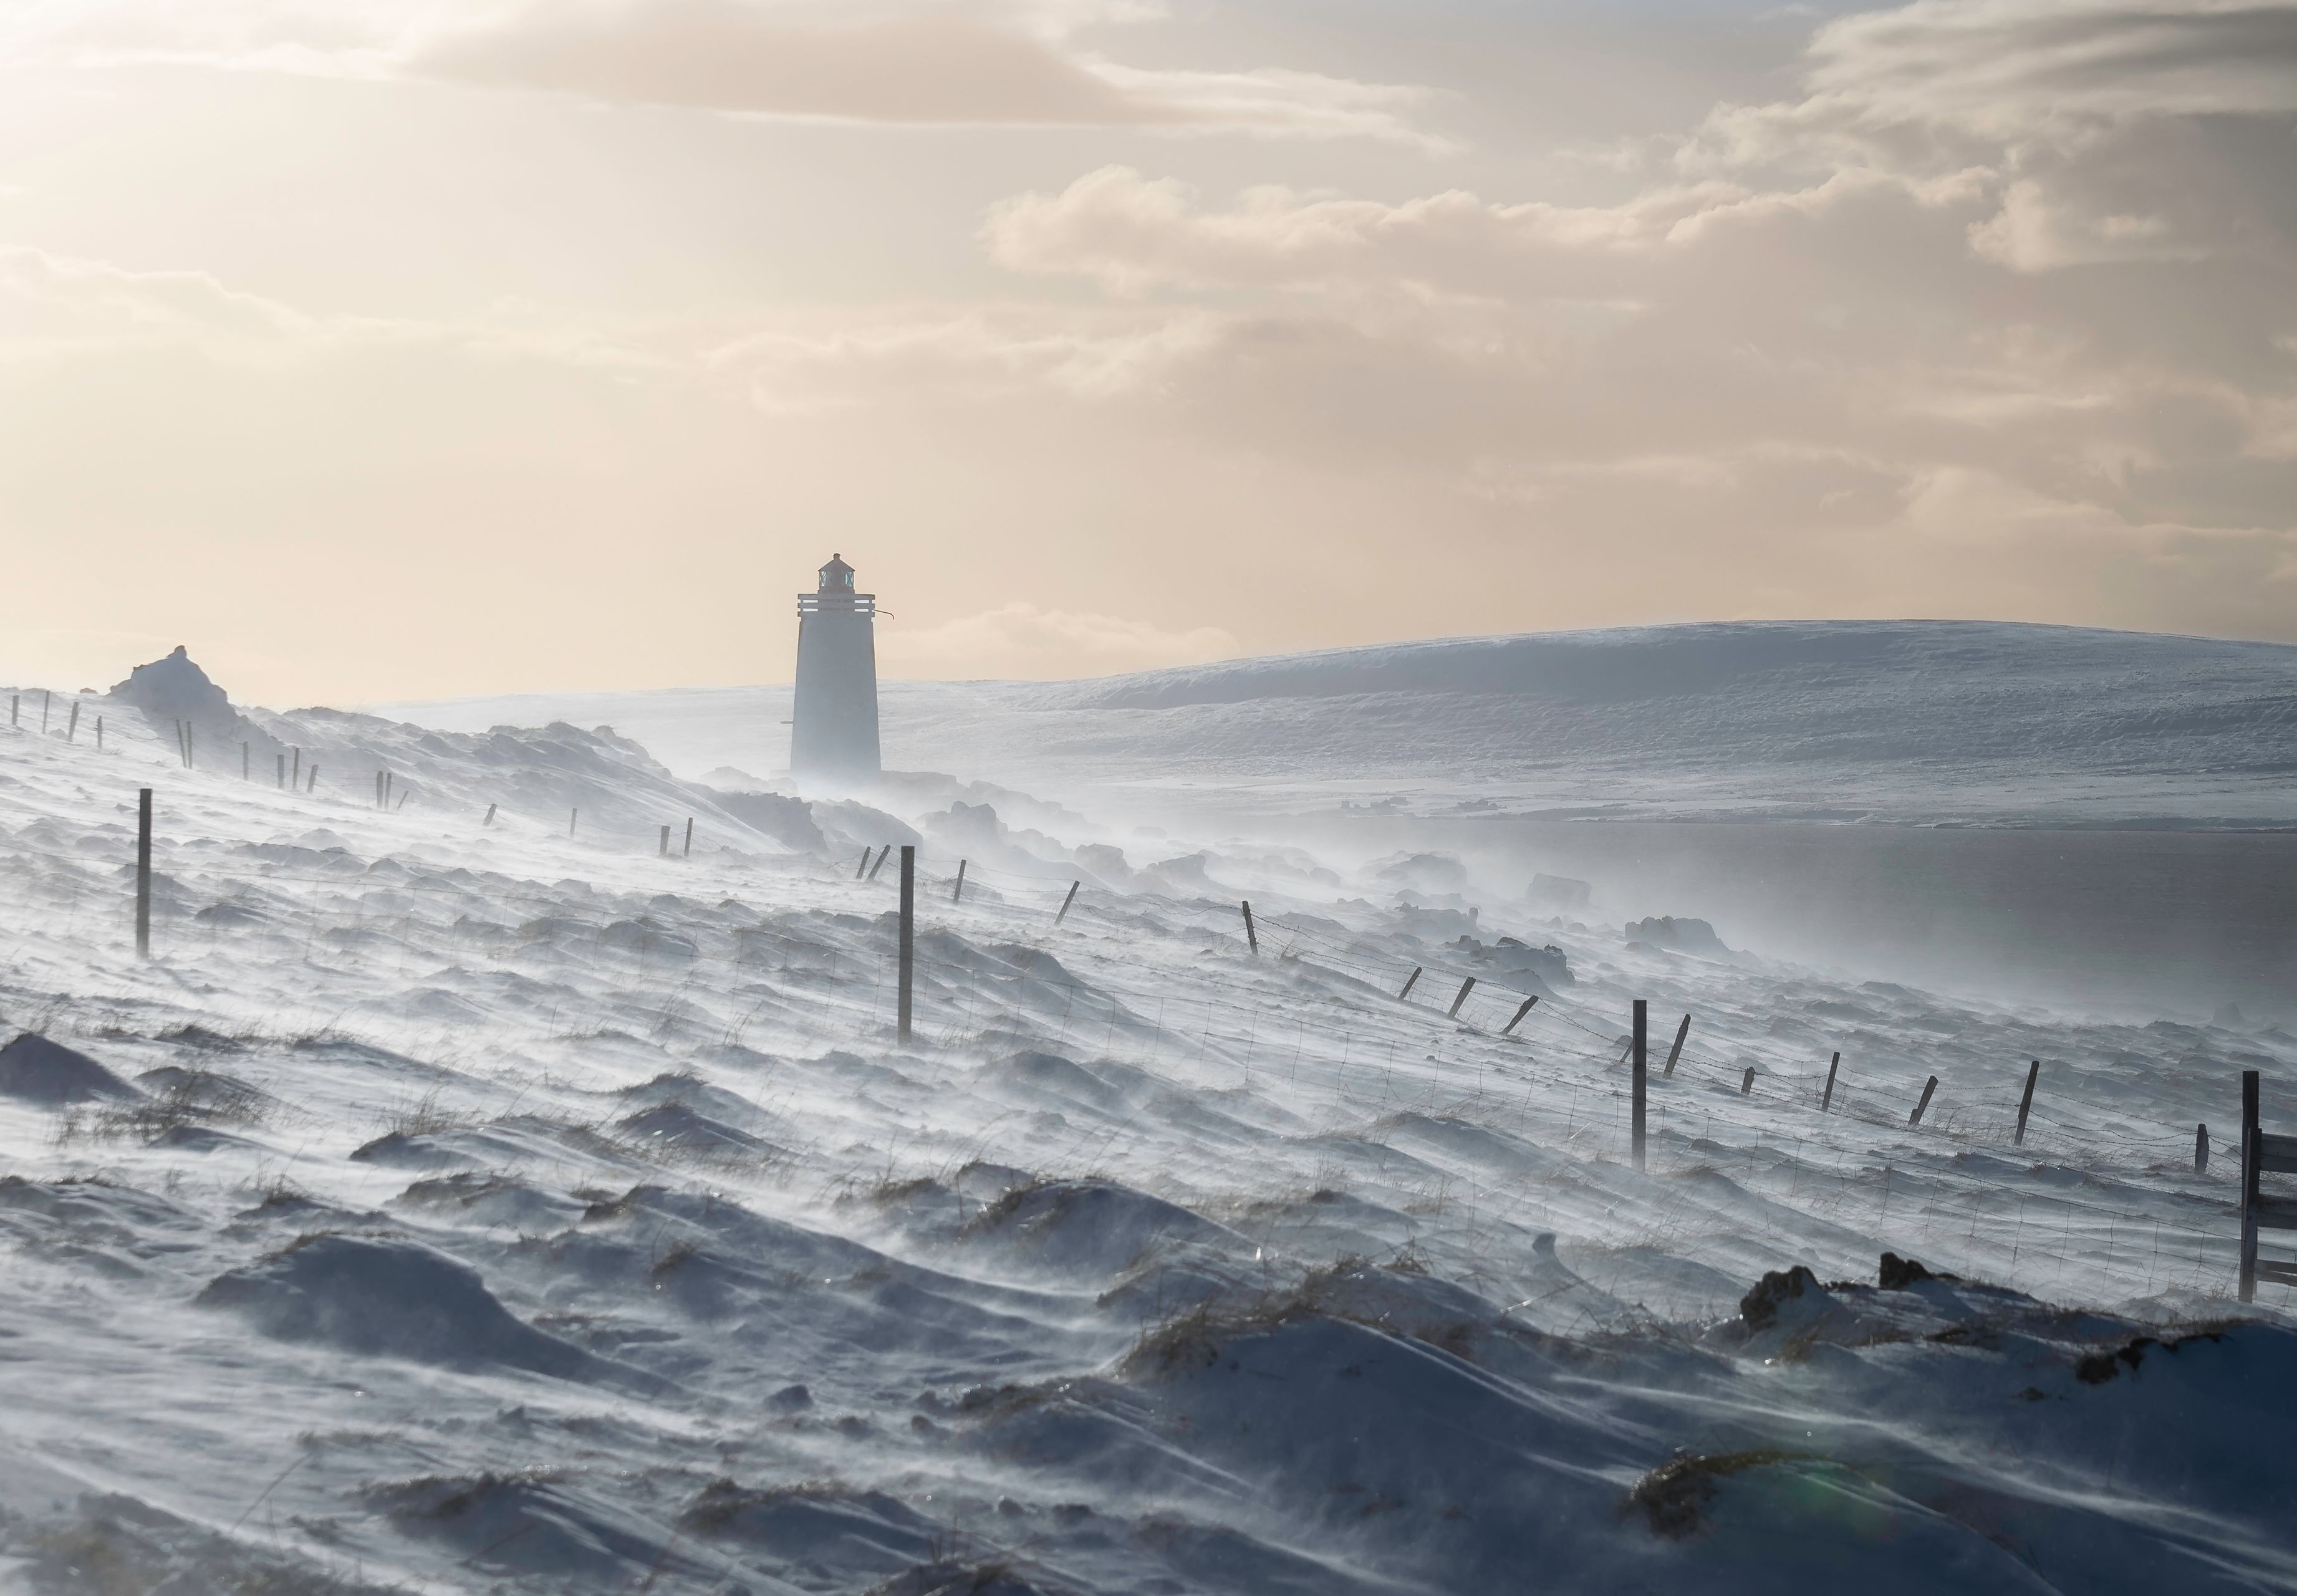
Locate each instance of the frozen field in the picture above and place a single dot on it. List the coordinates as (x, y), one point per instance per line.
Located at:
(462, 1206)
(1925, 722)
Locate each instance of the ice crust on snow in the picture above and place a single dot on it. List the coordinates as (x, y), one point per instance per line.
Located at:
(494, 1209)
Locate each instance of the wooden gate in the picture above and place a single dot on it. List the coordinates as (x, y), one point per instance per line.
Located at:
(2262, 1155)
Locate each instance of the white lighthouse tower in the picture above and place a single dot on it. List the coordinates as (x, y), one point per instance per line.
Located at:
(833, 723)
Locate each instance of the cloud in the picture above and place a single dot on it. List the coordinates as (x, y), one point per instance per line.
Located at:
(50, 302)
(1871, 359)
(989, 62)
(725, 55)
(2009, 70)
(1132, 235)
(1020, 640)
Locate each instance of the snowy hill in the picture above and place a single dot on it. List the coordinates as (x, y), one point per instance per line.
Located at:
(457, 1206)
(1919, 721)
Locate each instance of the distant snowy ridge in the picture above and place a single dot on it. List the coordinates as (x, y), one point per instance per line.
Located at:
(1902, 720)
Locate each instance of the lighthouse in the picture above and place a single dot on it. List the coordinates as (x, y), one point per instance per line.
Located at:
(833, 723)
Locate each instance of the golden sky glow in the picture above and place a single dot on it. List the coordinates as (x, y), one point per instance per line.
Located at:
(379, 349)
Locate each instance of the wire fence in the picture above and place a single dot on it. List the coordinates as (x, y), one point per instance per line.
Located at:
(1023, 962)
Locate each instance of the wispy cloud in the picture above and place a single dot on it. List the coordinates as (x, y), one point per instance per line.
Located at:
(895, 61)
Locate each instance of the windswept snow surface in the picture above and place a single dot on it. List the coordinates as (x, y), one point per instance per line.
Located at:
(450, 1206)
(1882, 721)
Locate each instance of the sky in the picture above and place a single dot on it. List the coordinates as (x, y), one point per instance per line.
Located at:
(395, 349)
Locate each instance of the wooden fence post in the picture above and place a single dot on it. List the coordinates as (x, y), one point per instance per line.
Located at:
(490, 815)
(378, 789)
(1642, 1031)
(572, 815)
(2026, 1103)
(2249, 1173)
(663, 852)
(1509, 1029)
(143, 873)
(1409, 981)
(909, 931)
(390, 785)
(72, 729)
(957, 892)
(1067, 902)
(45, 699)
(15, 707)
(1928, 1087)
(191, 748)
(1746, 1081)
(99, 734)
(1250, 935)
(295, 772)
(2201, 1149)
(1675, 1052)
(1827, 1101)
(312, 782)
(1466, 987)
(880, 865)
(281, 773)
(689, 838)
(862, 868)
(246, 770)
(404, 794)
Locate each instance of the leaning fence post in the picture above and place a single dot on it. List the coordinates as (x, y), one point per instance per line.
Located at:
(862, 868)
(1642, 1025)
(490, 815)
(957, 892)
(1067, 902)
(1409, 981)
(143, 873)
(1928, 1087)
(1746, 1081)
(1509, 1029)
(2026, 1103)
(2249, 1161)
(1827, 1101)
(1675, 1052)
(909, 931)
(689, 838)
(880, 865)
(1466, 987)
(2201, 1149)
(1250, 935)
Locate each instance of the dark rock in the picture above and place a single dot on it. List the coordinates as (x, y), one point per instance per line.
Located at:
(1898, 1273)
(1760, 1307)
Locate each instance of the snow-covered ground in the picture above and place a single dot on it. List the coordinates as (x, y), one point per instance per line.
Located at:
(463, 1205)
(1884, 720)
